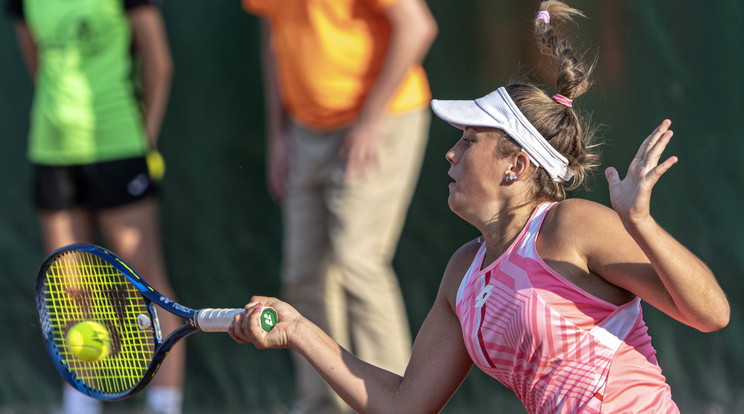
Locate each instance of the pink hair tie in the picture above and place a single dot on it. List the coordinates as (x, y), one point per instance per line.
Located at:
(563, 100)
(544, 15)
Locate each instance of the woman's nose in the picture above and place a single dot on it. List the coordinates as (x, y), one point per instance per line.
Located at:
(450, 156)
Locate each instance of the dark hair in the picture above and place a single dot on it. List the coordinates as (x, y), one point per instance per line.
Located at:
(559, 124)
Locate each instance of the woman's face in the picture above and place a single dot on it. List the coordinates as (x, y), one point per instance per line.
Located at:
(477, 173)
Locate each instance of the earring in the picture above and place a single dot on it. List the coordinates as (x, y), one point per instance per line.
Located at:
(510, 178)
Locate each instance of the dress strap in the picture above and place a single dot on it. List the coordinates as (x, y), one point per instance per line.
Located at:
(525, 245)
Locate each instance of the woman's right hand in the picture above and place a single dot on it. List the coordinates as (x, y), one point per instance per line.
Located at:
(246, 326)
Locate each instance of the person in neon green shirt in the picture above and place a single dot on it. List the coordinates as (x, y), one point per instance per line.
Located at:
(91, 128)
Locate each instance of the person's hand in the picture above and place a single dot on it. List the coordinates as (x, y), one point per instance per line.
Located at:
(246, 326)
(631, 197)
(359, 150)
(277, 168)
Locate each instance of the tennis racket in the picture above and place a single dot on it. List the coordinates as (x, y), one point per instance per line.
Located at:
(83, 282)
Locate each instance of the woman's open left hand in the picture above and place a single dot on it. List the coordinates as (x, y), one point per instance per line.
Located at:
(631, 197)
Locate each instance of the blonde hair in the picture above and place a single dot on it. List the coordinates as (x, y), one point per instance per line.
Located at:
(559, 124)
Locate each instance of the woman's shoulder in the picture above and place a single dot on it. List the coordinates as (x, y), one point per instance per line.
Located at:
(577, 220)
(579, 212)
(458, 265)
(464, 255)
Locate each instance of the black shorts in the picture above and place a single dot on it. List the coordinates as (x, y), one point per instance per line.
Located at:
(96, 186)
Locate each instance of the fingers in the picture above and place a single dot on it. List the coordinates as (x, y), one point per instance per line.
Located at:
(612, 176)
(236, 330)
(657, 147)
(277, 186)
(647, 158)
(663, 168)
(659, 131)
(650, 142)
(240, 330)
(359, 151)
(359, 162)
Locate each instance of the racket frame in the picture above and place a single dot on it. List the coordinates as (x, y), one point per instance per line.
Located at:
(152, 297)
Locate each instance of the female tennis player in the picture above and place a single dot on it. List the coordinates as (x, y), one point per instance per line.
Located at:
(547, 299)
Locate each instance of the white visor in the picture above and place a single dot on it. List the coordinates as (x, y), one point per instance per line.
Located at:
(497, 110)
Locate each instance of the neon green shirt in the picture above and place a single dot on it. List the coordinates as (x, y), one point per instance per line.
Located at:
(84, 109)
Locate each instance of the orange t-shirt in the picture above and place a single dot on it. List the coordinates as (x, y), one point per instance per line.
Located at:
(329, 53)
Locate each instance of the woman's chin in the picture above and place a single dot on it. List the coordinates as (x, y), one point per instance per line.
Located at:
(453, 205)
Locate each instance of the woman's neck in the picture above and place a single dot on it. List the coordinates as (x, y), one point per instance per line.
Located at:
(501, 231)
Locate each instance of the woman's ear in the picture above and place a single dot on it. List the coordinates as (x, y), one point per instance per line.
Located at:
(519, 167)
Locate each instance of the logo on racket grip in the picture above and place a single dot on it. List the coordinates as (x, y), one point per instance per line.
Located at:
(268, 319)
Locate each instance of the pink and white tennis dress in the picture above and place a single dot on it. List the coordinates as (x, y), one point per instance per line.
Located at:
(560, 349)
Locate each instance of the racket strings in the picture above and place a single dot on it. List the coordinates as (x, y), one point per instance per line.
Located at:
(81, 286)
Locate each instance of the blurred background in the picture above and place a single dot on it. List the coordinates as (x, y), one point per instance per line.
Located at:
(681, 60)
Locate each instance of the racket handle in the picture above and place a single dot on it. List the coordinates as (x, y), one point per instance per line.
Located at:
(219, 320)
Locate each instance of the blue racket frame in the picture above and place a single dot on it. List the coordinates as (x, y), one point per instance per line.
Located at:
(151, 296)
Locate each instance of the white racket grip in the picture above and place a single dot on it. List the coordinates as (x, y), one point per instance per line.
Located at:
(215, 320)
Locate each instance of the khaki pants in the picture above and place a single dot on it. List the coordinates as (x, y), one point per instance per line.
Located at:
(339, 242)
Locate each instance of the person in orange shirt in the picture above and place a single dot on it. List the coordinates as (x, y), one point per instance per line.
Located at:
(348, 120)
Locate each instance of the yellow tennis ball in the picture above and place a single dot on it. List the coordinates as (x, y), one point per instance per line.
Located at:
(89, 341)
(155, 165)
